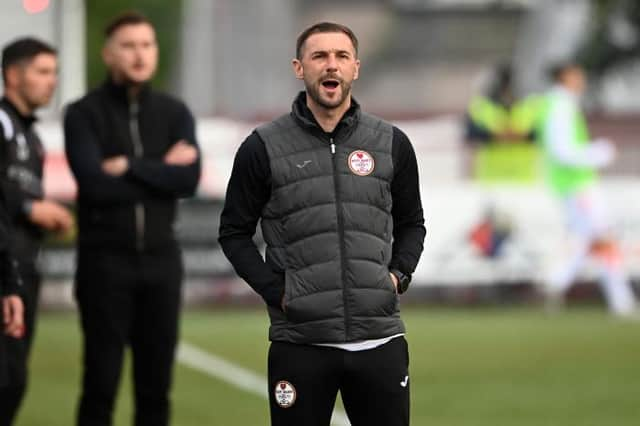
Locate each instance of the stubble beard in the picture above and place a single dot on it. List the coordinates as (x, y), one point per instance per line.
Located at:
(313, 90)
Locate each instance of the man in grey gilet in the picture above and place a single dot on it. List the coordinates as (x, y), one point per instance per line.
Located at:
(337, 194)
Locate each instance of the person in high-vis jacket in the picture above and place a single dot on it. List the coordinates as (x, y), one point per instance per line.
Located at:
(30, 76)
(337, 194)
(133, 153)
(501, 128)
(572, 161)
(500, 131)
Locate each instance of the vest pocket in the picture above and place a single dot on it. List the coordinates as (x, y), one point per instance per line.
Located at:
(315, 307)
(393, 302)
(389, 282)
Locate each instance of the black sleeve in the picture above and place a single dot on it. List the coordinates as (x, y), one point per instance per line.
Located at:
(11, 281)
(476, 134)
(15, 197)
(9, 277)
(12, 195)
(248, 191)
(175, 181)
(85, 160)
(408, 217)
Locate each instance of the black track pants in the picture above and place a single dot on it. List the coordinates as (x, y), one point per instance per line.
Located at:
(304, 381)
(128, 300)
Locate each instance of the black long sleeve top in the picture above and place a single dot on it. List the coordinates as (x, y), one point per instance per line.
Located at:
(107, 123)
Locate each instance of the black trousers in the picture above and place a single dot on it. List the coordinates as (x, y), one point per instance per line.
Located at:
(128, 299)
(304, 381)
(3, 361)
(17, 350)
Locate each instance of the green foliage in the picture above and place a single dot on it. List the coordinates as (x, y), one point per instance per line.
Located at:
(164, 14)
(601, 51)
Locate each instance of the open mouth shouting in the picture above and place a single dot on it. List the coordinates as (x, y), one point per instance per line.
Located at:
(330, 85)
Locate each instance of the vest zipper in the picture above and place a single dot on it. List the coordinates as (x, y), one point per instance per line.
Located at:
(138, 152)
(341, 241)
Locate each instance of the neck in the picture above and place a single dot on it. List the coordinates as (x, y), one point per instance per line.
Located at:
(133, 89)
(328, 118)
(568, 91)
(21, 105)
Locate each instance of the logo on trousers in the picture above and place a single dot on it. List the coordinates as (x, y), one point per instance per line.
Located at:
(285, 394)
(405, 382)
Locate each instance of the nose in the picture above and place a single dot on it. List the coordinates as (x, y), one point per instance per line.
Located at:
(332, 63)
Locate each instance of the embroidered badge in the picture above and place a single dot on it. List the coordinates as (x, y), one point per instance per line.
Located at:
(285, 394)
(361, 163)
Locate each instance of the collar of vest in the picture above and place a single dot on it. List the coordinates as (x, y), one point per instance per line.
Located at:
(25, 120)
(304, 117)
(120, 91)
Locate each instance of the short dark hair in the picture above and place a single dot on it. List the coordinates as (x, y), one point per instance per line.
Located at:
(130, 17)
(557, 70)
(23, 50)
(324, 27)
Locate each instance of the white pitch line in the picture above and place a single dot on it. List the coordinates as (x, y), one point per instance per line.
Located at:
(214, 366)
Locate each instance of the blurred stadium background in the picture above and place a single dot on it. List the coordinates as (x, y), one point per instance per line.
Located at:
(490, 355)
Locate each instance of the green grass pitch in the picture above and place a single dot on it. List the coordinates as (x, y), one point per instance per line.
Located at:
(493, 367)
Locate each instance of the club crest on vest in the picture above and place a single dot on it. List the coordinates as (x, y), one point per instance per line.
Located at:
(285, 394)
(361, 163)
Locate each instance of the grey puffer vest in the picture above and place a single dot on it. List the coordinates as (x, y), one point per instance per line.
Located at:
(328, 228)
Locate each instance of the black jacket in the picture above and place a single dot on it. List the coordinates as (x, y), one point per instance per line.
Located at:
(9, 132)
(22, 158)
(136, 210)
(249, 190)
(10, 281)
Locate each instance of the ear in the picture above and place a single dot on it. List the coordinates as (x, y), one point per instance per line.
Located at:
(357, 73)
(298, 69)
(12, 76)
(106, 54)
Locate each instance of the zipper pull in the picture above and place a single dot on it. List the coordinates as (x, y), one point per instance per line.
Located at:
(333, 146)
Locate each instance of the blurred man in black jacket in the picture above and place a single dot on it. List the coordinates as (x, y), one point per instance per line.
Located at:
(29, 68)
(133, 153)
(12, 306)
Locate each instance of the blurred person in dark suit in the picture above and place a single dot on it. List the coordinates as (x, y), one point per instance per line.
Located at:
(133, 153)
(11, 303)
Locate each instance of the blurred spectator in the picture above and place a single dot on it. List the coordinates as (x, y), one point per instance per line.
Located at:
(501, 130)
(133, 153)
(572, 162)
(29, 69)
